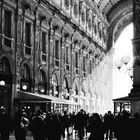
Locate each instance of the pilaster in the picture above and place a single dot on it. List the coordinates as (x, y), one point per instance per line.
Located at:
(135, 91)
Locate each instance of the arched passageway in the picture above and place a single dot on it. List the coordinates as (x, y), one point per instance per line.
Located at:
(73, 40)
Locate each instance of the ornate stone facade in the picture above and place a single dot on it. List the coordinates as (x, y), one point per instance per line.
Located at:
(57, 49)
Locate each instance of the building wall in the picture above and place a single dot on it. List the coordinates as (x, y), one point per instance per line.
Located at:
(83, 31)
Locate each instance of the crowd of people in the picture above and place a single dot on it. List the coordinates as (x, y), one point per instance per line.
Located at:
(54, 126)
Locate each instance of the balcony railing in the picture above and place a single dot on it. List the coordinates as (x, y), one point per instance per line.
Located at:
(43, 57)
(27, 49)
(7, 41)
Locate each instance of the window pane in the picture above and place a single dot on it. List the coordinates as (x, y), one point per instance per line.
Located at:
(27, 34)
(7, 24)
(67, 55)
(26, 72)
(42, 76)
(57, 49)
(44, 42)
(84, 63)
(76, 60)
(90, 67)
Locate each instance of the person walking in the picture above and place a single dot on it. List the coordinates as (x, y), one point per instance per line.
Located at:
(5, 124)
(123, 126)
(21, 124)
(80, 124)
(109, 124)
(38, 126)
(65, 124)
(96, 127)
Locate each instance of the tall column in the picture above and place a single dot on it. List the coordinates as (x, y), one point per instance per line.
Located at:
(50, 56)
(135, 91)
(61, 61)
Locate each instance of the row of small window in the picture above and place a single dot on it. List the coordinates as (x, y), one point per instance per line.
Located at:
(85, 17)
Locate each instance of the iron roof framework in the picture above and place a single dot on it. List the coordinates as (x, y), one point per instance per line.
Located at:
(119, 13)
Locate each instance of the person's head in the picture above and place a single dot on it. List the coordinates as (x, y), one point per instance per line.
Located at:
(81, 111)
(65, 112)
(109, 112)
(125, 114)
(96, 116)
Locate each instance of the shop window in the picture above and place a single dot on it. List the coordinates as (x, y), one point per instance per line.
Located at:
(5, 72)
(26, 79)
(55, 87)
(65, 94)
(42, 85)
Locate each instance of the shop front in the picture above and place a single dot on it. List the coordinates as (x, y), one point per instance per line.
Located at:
(31, 102)
(121, 104)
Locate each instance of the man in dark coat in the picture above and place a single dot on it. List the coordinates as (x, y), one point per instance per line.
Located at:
(65, 123)
(80, 124)
(109, 124)
(37, 127)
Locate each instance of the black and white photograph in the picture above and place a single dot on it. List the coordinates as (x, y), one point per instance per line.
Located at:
(69, 69)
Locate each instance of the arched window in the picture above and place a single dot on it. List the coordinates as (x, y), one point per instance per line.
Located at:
(5, 85)
(42, 82)
(26, 78)
(55, 87)
(5, 71)
(65, 94)
(5, 66)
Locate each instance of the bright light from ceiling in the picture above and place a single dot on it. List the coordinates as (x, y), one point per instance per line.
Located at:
(122, 83)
